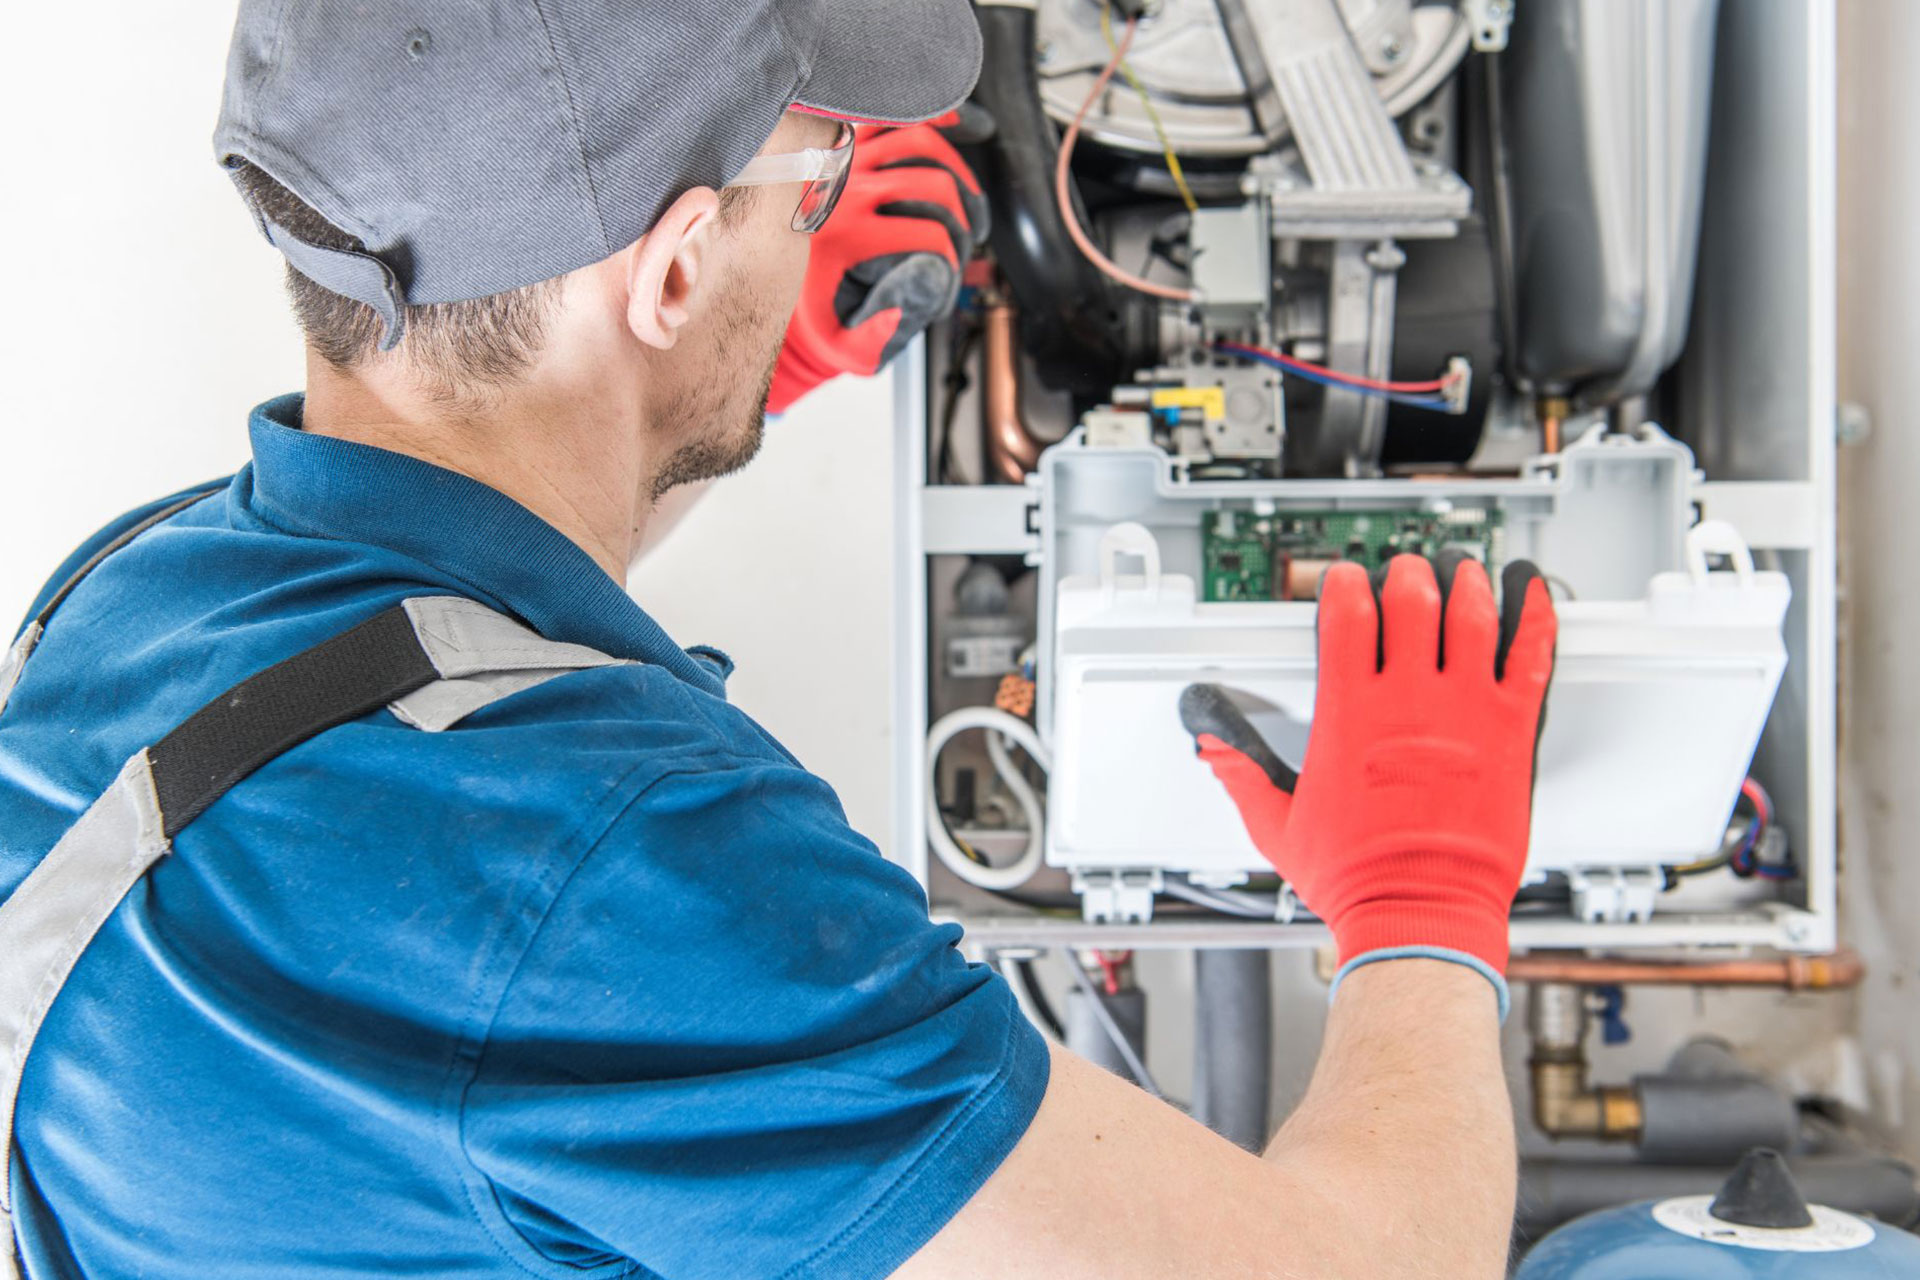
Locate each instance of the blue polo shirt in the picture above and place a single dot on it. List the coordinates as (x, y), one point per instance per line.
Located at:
(597, 983)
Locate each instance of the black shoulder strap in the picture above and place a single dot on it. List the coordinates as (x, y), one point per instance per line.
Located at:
(337, 680)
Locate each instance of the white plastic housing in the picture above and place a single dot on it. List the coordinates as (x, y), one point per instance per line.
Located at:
(1655, 711)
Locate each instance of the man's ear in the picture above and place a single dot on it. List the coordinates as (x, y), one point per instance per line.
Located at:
(667, 266)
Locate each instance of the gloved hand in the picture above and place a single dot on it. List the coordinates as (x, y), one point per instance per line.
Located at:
(889, 260)
(1406, 827)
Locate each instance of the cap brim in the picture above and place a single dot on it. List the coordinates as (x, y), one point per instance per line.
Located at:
(892, 62)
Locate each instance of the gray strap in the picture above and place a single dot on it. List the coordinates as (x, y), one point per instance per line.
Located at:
(350, 273)
(53, 915)
(463, 638)
(483, 656)
(46, 925)
(16, 659)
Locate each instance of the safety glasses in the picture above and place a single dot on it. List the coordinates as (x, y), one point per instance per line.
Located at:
(824, 170)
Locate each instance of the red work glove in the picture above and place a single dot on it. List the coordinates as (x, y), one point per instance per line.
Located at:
(888, 262)
(1406, 827)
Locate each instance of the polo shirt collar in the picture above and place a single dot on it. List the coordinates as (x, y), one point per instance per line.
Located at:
(507, 556)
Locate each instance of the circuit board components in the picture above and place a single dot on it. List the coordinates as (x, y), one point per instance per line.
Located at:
(1281, 555)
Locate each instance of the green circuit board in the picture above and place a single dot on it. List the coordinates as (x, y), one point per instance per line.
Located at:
(1248, 556)
(1238, 556)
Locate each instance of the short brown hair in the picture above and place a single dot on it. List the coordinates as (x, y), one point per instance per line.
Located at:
(484, 342)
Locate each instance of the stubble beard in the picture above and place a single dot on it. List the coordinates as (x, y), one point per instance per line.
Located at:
(722, 450)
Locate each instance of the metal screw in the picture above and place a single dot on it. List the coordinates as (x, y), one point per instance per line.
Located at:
(1392, 50)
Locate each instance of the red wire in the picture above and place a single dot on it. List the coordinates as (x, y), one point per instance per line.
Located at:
(1763, 807)
(1351, 379)
(1110, 966)
(1063, 189)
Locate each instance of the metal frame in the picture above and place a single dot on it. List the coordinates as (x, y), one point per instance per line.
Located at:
(1783, 503)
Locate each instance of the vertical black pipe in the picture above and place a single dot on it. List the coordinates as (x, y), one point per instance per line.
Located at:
(1233, 1044)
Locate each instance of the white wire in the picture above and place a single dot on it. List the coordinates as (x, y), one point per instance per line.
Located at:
(1015, 781)
(997, 723)
(1231, 902)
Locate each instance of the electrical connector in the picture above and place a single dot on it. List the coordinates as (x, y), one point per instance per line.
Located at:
(1459, 387)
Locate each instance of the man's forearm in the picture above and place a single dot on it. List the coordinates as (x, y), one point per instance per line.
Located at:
(1407, 1125)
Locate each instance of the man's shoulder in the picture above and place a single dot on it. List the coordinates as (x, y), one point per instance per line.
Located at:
(602, 716)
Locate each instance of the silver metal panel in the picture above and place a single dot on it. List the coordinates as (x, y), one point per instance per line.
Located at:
(1606, 120)
(909, 843)
(1756, 387)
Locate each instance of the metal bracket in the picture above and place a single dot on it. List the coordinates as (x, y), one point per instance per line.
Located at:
(1488, 21)
(1117, 896)
(1615, 895)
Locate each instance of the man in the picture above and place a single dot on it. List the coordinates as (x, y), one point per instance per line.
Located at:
(596, 980)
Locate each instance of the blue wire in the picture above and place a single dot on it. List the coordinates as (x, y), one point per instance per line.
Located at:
(1436, 403)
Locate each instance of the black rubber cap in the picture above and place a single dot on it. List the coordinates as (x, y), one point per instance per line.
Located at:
(1761, 1193)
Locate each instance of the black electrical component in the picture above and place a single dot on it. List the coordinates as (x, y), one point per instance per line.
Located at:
(1082, 331)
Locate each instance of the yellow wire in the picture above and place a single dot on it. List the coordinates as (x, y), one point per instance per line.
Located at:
(1159, 130)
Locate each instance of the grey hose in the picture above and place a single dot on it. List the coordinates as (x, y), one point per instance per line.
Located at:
(1104, 1017)
(1233, 902)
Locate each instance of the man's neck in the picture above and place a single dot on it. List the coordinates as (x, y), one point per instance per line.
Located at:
(547, 448)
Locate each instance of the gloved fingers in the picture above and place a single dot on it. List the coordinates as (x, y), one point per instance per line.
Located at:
(1410, 616)
(820, 344)
(914, 288)
(934, 265)
(956, 226)
(1263, 807)
(921, 213)
(1207, 710)
(1528, 626)
(1470, 621)
(925, 148)
(974, 212)
(1348, 622)
(896, 147)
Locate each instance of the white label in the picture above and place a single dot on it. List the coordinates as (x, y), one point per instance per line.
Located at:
(1832, 1231)
(982, 655)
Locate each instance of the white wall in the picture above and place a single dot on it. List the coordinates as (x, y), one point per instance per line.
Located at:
(1879, 259)
(145, 318)
(144, 314)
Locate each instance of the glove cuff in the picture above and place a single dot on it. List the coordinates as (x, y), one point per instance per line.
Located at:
(1462, 958)
(1458, 923)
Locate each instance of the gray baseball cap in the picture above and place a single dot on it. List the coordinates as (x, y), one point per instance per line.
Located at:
(476, 146)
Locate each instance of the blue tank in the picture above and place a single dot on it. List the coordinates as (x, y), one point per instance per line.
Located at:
(1758, 1227)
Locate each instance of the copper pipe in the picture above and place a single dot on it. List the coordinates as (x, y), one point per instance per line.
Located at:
(1012, 452)
(1552, 412)
(1842, 968)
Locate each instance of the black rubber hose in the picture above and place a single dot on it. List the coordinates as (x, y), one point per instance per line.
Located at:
(1037, 998)
(1078, 326)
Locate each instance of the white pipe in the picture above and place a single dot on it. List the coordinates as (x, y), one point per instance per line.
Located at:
(999, 724)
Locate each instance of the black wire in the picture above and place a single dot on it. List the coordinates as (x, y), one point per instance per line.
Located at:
(956, 381)
(1042, 1007)
(1732, 845)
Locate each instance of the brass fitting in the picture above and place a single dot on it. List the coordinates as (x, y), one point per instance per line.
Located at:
(1565, 1105)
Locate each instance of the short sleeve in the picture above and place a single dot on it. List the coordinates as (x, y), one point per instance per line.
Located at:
(737, 1046)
